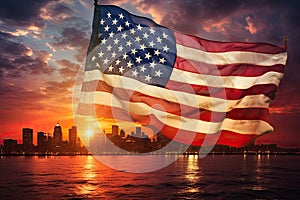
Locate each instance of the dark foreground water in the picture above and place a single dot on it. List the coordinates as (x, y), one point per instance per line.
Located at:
(214, 177)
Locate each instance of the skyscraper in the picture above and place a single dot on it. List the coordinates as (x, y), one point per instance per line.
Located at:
(73, 136)
(27, 137)
(122, 133)
(57, 135)
(41, 139)
(115, 130)
(138, 131)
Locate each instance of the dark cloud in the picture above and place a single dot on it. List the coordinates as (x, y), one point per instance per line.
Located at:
(12, 49)
(59, 8)
(5, 35)
(188, 16)
(18, 60)
(69, 69)
(56, 11)
(14, 97)
(72, 38)
(226, 20)
(22, 13)
(75, 35)
(60, 93)
(21, 98)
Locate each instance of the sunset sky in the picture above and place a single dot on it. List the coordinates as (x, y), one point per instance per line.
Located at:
(43, 44)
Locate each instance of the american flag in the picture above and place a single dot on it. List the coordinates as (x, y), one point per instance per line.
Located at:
(190, 89)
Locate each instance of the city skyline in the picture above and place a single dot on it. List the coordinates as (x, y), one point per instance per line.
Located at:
(31, 137)
(116, 133)
(45, 43)
(116, 141)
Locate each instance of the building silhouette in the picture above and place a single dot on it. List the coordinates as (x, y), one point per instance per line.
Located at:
(49, 141)
(57, 135)
(115, 130)
(73, 136)
(138, 132)
(27, 138)
(101, 143)
(122, 133)
(41, 139)
(10, 145)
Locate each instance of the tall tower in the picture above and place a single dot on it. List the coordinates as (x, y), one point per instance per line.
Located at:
(57, 135)
(122, 133)
(73, 136)
(138, 132)
(115, 130)
(41, 139)
(27, 136)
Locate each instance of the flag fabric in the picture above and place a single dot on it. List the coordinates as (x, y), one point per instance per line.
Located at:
(188, 88)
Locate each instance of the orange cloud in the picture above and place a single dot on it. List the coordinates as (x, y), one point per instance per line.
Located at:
(50, 47)
(216, 26)
(56, 11)
(253, 27)
(43, 56)
(250, 27)
(19, 32)
(288, 109)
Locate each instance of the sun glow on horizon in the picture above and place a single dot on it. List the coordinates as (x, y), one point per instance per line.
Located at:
(89, 133)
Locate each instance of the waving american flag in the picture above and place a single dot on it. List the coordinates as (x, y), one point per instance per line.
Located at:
(188, 88)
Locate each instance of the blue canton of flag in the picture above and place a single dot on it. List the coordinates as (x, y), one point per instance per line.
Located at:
(132, 46)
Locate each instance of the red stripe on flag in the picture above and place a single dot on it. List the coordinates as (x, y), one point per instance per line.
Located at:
(175, 108)
(229, 93)
(247, 70)
(215, 46)
(179, 135)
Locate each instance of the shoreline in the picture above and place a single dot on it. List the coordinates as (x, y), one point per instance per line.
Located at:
(142, 154)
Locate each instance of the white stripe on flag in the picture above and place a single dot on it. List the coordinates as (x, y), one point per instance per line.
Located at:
(204, 102)
(179, 122)
(232, 57)
(237, 82)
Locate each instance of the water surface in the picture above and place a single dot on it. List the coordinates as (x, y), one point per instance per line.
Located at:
(214, 177)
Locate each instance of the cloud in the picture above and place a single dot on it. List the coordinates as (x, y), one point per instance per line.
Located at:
(50, 47)
(22, 13)
(18, 60)
(56, 12)
(14, 97)
(73, 39)
(58, 89)
(187, 16)
(69, 69)
(19, 32)
(87, 4)
(74, 36)
(250, 25)
(287, 99)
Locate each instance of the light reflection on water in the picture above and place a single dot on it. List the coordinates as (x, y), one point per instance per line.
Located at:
(88, 175)
(214, 177)
(192, 167)
(193, 174)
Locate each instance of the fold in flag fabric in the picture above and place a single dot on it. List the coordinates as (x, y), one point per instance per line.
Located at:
(190, 89)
